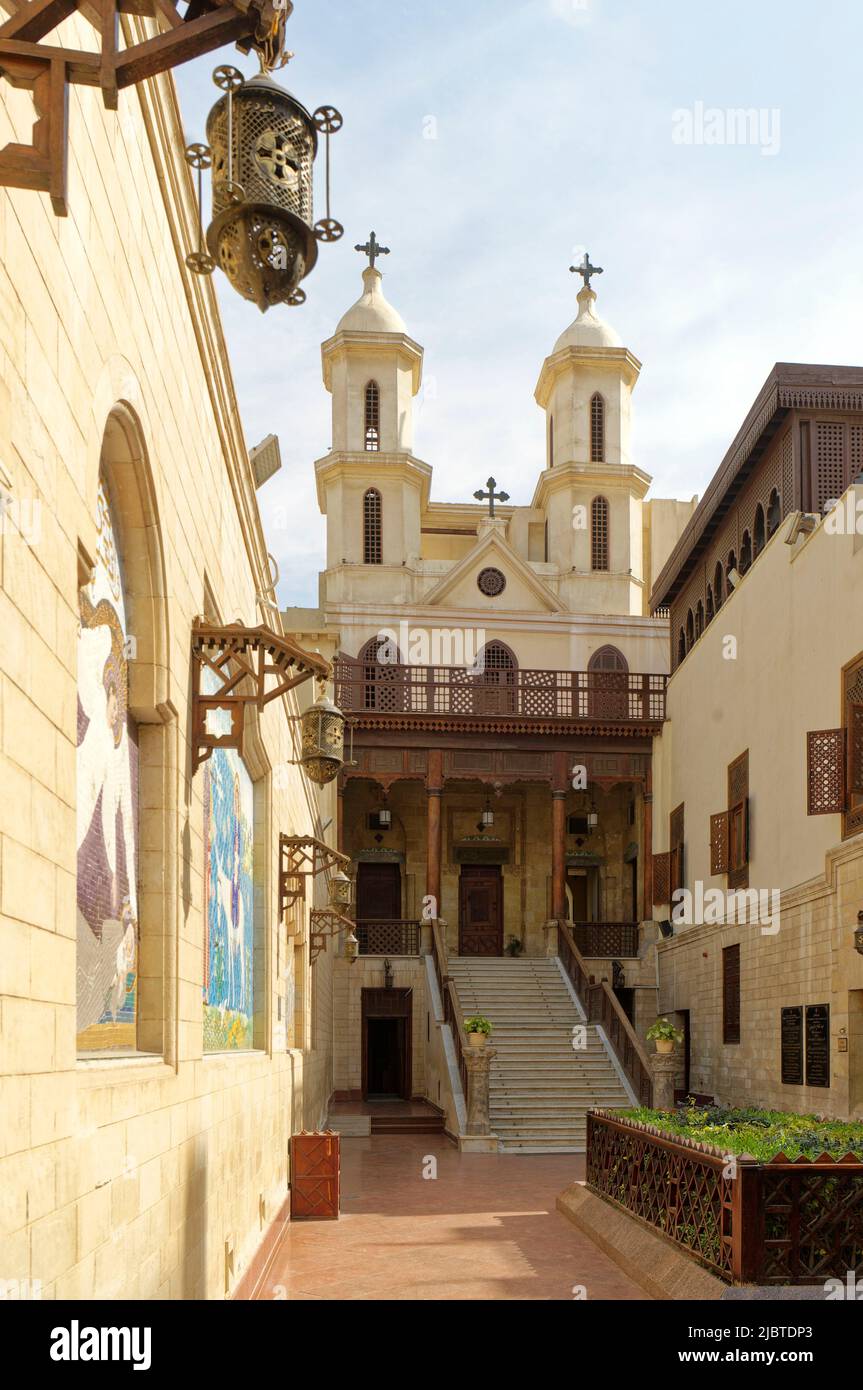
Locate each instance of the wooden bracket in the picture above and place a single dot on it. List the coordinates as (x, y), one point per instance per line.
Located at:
(324, 922)
(239, 656)
(47, 71)
(301, 857)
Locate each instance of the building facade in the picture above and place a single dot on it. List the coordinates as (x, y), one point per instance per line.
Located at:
(162, 1030)
(502, 670)
(758, 782)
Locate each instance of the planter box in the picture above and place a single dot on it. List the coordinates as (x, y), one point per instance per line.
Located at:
(751, 1223)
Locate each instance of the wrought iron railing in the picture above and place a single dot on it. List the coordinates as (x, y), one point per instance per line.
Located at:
(612, 696)
(601, 1006)
(388, 937)
(606, 939)
(778, 1222)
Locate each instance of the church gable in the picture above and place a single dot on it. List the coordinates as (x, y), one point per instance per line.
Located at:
(492, 574)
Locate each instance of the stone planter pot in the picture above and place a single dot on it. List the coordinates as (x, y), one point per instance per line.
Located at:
(477, 1040)
(664, 1045)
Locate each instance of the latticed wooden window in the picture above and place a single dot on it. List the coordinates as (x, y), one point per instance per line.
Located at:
(719, 843)
(731, 994)
(372, 528)
(597, 431)
(774, 513)
(835, 759)
(599, 534)
(745, 552)
(758, 530)
(676, 865)
(710, 603)
(373, 418)
(830, 465)
(690, 631)
(717, 585)
(661, 878)
(699, 619)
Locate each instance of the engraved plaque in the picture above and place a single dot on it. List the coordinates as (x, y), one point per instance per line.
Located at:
(792, 1046)
(818, 1045)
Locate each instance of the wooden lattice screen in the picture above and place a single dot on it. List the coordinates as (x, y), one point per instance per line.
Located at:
(738, 822)
(661, 878)
(825, 772)
(719, 843)
(731, 994)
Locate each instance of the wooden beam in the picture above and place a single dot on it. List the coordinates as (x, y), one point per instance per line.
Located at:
(179, 45)
(32, 22)
(81, 66)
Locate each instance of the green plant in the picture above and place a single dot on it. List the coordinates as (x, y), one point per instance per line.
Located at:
(663, 1031)
(761, 1133)
(514, 946)
(477, 1024)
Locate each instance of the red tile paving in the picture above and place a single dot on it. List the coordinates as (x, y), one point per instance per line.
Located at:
(485, 1228)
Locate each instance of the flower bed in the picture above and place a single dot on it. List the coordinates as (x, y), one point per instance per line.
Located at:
(762, 1133)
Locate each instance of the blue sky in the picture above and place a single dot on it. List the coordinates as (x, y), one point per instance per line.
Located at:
(555, 122)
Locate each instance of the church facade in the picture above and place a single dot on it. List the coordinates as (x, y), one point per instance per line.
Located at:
(502, 671)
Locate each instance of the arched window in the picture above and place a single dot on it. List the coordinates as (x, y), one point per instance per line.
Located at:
(373, 418)
(710, 603)
(608, 659)
(382, 674)
(608, 684)
(774, 512)
(681, 647)
(372, 528)
(759, 530)
(597, 429)
(599, 534)
(699, 619)
(690, 630)
(718, 585)
(745, 552)
(497, 692)
(551, 441)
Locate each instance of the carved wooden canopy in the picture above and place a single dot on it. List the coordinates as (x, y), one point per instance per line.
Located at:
(46, 70)
(299, 857)
(251, 665)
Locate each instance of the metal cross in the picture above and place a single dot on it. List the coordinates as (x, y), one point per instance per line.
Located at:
(585, 269)
(491, 496)
(373, 249)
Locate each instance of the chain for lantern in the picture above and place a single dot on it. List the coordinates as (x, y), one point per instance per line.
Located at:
(200, 157)
(328, 121)
(229, 80)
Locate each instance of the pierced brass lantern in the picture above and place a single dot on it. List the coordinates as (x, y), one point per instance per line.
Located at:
(322, 729)
(340, 890)
(351, 947)
(262, 144)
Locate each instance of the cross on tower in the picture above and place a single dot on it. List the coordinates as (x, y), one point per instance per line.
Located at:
(489, 495)
(585, 269)
(373, 249)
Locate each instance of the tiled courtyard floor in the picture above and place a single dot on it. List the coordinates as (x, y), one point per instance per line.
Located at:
(485, 1228)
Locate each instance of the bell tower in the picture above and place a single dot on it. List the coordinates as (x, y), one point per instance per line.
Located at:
(590, 490)
(372, 369)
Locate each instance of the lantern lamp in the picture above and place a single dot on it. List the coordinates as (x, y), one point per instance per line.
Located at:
(352, 947)
(262, 144)
(322, 731)
(340, 888)
(385, 817)
(487, 818)
(592, 819)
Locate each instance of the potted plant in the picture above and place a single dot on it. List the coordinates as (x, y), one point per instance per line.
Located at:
(514, 946)
(664, 1034)
(477, 1029)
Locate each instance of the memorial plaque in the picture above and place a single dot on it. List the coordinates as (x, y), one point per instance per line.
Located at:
(818, 1045)
(792, 1046)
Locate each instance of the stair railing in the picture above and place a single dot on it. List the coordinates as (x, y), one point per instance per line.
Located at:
(452, 1010)
(602, 1007)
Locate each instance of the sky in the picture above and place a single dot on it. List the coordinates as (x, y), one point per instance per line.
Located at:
(489, 144)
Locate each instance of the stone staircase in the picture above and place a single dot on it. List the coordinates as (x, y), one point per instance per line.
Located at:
(541, 1087)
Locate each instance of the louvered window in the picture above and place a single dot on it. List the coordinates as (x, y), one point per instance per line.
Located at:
(599, 534)
(731, 994)
(834, 758)
(676, 865)
(729, 830)
(373, 418)
(372, 518)
(597, 430)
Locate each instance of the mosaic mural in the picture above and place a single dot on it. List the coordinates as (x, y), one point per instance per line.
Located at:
(229, 921)
(107, 808)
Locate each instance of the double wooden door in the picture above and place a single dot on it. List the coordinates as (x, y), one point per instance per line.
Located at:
(480, 910)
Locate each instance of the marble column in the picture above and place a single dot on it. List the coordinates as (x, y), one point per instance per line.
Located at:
(478, 1063)
(667, 1068)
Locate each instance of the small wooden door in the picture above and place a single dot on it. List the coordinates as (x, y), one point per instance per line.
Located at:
(386, 1044)
(379, 892)
(480, 910)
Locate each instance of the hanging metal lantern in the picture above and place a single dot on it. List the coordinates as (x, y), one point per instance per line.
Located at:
(263, 144)
(322, 729)
(351, 948)
(340, 889)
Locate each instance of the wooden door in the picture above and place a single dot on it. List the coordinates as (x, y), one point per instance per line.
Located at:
(480, 910)
(379, 892)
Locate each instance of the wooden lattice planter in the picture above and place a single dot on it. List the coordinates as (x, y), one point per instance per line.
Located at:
(780, 1222)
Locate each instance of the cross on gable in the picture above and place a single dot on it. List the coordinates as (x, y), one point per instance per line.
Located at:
(491, 496)
(585, 269)
(373, 249)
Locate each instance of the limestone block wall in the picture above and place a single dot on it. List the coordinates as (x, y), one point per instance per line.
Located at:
(348, 984)
(153, 1174)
